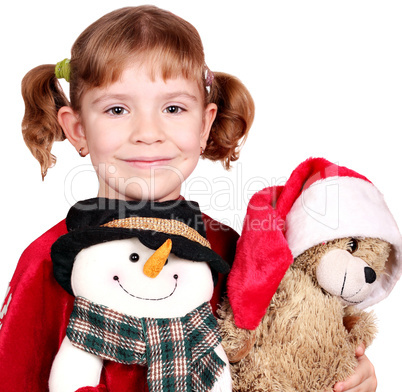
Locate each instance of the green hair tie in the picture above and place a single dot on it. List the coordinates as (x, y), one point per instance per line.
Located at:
(62, 70)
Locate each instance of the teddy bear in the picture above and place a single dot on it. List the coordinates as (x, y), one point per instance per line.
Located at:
(142, 274)
(313, 254)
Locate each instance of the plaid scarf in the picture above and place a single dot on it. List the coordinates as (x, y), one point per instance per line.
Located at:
(179, 352)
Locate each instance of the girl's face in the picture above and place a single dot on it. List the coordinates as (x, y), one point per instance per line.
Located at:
(144, 136)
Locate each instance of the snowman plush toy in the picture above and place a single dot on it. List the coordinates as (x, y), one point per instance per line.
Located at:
(142, 274)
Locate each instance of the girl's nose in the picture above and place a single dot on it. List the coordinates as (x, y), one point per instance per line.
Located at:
(155, 263)
(147, 130)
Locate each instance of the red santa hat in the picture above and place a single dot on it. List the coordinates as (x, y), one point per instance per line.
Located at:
(320, 202)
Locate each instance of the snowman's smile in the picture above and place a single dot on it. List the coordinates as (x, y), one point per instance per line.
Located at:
(176, 277)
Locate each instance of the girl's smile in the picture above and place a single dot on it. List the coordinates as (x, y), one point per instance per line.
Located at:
(148, 162)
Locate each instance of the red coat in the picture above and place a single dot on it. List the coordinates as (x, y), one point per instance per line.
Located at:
(36, 311)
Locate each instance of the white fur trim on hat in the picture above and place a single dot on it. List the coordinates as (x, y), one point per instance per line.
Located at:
(338, 207)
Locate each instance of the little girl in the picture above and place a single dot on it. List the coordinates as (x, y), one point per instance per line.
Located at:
(145, 106)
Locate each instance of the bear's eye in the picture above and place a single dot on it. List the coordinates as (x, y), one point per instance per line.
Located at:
(352, 245)
(134, 257)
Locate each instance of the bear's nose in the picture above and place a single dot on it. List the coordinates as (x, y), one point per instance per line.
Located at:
(370, 275)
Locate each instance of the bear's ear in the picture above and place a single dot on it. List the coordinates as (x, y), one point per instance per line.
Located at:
(240, 352)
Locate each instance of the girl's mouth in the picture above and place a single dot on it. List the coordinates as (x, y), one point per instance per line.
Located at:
(146, 163)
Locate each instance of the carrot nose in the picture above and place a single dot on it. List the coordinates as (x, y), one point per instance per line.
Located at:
(156, 262)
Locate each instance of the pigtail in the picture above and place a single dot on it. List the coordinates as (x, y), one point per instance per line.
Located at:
(233, 121)
(43, 97)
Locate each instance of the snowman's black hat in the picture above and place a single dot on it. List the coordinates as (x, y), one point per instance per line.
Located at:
(99, 220)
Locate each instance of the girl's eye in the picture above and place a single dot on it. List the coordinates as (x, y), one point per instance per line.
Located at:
(117, 111)
(173, 109)
(352, 245)
(134, 257)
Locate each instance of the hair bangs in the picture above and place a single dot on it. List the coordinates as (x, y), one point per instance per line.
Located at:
(169, 64)
(165, 44)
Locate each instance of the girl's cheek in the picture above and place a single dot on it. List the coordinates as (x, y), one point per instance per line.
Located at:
(188, 140)
(104, 142)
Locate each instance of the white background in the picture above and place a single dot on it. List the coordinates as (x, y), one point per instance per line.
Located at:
(326, 77)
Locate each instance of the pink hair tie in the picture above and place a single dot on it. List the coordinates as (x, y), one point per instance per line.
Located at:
(209, 76)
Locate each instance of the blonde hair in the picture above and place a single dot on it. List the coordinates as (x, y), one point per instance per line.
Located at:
(169, 45)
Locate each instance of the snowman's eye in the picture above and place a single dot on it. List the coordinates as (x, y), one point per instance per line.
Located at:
(134, 257)
(167, 261)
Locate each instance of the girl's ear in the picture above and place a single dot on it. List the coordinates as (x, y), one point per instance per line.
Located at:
(72, 126)
(209, 118)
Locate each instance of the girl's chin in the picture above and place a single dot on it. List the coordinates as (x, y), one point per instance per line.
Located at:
(132, 193)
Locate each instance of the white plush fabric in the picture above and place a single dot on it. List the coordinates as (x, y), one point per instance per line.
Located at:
(74, 368)
(95, 267)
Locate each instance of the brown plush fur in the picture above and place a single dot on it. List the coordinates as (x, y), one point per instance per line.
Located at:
(307, 339)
